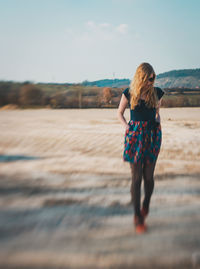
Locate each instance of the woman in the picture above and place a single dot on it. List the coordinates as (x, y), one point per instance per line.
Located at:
(143, 137)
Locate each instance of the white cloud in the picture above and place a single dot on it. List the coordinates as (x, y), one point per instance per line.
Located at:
(91, 24)
(95, 26)
(107, 30)
(97, 32)
(104, 25)
(122, 28)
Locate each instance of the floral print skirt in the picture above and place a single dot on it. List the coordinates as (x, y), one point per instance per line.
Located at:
(142, 141)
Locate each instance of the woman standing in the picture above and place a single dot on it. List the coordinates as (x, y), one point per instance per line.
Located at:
(143, 137)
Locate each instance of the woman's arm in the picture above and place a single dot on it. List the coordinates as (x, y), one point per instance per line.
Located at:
(120, 111)
(158, 109)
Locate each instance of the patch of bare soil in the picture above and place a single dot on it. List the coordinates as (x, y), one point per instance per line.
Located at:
(65, 192)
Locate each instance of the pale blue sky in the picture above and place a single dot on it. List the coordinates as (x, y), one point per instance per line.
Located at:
(76, 40)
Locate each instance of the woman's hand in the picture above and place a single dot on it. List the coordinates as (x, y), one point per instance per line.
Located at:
(127, 127)
(157, 117)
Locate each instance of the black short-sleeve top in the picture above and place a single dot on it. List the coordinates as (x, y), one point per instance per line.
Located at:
(141, 112)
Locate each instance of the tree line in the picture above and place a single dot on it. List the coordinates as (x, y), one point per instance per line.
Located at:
(26, 95)
(31, 95)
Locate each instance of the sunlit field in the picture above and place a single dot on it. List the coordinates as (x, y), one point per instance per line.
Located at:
(65, 191)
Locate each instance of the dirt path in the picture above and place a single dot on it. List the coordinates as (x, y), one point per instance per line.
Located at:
(66, 202)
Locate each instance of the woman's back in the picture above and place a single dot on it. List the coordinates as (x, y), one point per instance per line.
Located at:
(141, 112)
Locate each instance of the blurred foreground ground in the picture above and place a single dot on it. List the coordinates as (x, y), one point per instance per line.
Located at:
(65, 192)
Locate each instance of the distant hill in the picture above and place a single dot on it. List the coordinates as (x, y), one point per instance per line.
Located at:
(107, 83)
(186, 78)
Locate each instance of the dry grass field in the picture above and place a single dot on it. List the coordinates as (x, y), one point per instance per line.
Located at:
(65, 192)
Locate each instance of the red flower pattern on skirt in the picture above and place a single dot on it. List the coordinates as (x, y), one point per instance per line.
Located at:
(142, 141)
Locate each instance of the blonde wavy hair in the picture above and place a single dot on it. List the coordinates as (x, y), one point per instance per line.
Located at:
(139, 85)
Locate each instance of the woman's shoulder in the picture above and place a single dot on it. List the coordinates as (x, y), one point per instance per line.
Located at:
(160, 92)
(126, 92)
